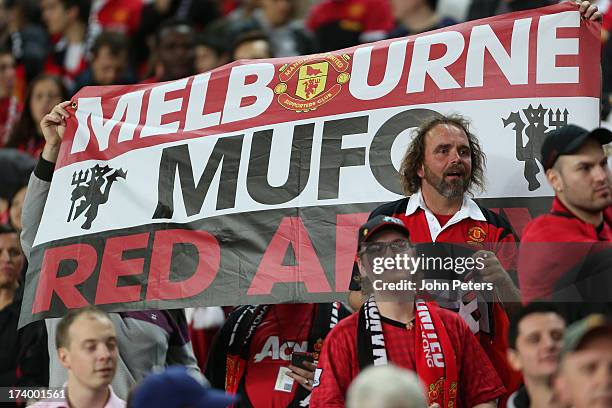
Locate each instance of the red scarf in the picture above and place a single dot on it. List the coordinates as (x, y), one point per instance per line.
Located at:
(435, 357)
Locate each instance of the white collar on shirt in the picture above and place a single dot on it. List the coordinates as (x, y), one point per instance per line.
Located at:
(469, 209)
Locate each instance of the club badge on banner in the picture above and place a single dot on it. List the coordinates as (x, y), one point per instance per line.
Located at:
(247, 184)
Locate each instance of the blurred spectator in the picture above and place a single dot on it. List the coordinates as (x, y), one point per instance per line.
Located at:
(177, 388)
(487, 8)
(66, 21)
(44, 92)
(204, 323)
(244, 11)
(121, 16)
(23, 360)
(175, 54)
(86, 343)
(28, 40)
(109, 62)
(9, 106)
(12, 262)
(198, 13)
(210, 53)
(275, 19)
(149, 339)
(15, 169)
(417, 16)
(579, 224)
(252, 352)
(535, 338)
(16, 208)
(252, 45)
(386, 387)
(584, 379)
(344, 23)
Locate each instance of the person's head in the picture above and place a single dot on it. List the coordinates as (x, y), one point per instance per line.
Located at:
(7, 72)
(535, 338)
(44, 92)
(251, 45)
(175, 49)
(380, 239)
(404, 8)
(86, 343)
(209, 53)
(386, 387)
(577, 168)
(278, 12)
(584, 379)
(109, 58)
(16, 208)
(11, 258)
(58, 15)
(175, 387)
(445, 156)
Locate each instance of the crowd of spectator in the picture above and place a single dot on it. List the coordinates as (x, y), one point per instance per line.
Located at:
(50, 49)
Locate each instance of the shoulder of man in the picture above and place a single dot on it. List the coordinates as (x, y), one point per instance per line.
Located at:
(554, 227)
(392, 208)
(499, 222)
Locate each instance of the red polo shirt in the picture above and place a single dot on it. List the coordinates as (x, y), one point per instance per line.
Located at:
(339, 362)
(478, 228)
(554, 243)
(285, 329)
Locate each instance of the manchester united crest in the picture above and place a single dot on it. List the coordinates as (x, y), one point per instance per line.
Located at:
(312, 81)
(476, 235)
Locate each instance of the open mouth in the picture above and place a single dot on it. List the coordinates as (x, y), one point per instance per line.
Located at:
(454, 174)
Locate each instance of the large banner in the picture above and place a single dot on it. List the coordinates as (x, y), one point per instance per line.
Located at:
(247, 184)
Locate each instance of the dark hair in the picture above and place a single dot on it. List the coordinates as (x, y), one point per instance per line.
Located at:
(211, 41)
(7, 229)
(433, 4)
(5, 49)
(25, 128)
(84, 7)
(116, 42)
(531, 308)
(62, 339)
(171, 24)
(250, 36)
(415, 154)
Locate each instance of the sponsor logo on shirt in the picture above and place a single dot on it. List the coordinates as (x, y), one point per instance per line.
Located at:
(276, 351)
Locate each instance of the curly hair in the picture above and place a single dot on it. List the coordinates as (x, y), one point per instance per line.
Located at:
(415, 154)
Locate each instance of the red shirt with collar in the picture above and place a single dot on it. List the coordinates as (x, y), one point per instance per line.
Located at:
(121, 15)
(339, 362)
(285, 329)
(490, 232)
(493, 232)
(552, 244)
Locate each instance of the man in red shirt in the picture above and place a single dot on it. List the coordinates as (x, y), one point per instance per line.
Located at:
(252, 353)
(580, 221)
(442, 164)
(411, 333)
(345, 23)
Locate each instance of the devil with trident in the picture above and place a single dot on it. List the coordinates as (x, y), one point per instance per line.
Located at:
(90, 191)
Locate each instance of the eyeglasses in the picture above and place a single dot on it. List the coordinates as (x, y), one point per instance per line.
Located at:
(376, 249)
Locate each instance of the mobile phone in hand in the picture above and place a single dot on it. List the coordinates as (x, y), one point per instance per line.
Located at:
(298, 358)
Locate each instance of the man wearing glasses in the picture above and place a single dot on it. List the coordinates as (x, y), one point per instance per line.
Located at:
(396, 326)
